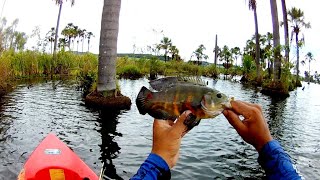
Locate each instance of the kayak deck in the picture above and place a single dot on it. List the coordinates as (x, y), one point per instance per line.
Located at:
(54, 160)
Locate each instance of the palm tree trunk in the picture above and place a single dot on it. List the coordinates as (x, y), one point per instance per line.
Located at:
(108, 47)
(69, 44)
(216, 51)
(276, 40)
(82, 45)
(88, 45)
(286, 31)
(257, 44)
(297, 73)
(57, 30)
(309, 72)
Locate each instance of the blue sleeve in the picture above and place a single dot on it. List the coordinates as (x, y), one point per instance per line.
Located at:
(276, 162)
(154, 167)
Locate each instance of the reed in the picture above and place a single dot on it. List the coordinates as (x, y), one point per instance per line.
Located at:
(29, 64)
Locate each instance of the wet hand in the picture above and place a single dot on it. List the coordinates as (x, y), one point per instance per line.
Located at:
(253, 128)
(167, 136)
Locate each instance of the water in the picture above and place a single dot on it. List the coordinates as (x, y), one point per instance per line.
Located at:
(122, 140)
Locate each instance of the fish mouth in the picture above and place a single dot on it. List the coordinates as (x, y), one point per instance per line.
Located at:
(212, 112)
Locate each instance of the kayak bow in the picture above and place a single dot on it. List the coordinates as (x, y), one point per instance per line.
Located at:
(54, 160)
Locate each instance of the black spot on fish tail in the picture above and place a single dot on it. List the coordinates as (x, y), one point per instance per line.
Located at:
(142, 100)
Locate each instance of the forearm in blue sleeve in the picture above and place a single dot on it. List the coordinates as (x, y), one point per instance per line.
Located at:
(154, 167)
(276, 162)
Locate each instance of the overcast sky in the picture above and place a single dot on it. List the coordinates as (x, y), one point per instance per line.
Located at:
(188, 23)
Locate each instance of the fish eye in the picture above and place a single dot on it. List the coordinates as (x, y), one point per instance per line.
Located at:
(219, 95)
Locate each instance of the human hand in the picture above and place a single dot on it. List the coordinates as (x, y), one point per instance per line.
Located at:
(167, 136)
(253, 128)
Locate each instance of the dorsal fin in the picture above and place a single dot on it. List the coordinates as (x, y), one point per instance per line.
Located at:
(167, 82)
(196, 80)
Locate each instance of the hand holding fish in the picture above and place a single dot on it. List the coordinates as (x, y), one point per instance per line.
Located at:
(167, 136)
(253, 128)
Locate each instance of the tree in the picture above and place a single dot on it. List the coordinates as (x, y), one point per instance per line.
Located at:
(50, 37)
(60, 3)
(165, 44)
(200, 54)
(20, 39)
(174, 51)
(13, 30)
(286, 31)
(296, 19)
(235, 52)
(267, 52)
(308, 58)
(226, 55)
(83, 35)
(62, 43)
(253, 7)
(108, 47)
(89, 35)
(68, 32)
(276, 40)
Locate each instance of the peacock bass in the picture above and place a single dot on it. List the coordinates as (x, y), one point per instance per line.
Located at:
(174, 97)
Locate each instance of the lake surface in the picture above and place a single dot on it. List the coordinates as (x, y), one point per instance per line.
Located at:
(122, 140)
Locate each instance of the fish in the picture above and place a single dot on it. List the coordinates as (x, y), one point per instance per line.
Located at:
(174, 97)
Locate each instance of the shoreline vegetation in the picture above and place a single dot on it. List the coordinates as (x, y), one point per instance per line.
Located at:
(32, 64)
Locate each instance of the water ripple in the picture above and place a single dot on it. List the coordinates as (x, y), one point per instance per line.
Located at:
(212, 150)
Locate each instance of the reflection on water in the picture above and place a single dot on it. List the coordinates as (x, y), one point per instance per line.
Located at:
(275, 116)
(108, 120)
(121, 140)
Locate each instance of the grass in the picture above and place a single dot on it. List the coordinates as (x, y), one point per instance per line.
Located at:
(30, 64)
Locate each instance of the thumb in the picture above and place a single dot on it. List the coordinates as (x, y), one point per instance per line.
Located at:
(180, 126)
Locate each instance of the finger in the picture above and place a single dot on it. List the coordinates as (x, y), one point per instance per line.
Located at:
(241, 108)
(258, 106)
(161, 123)
(235, 121)
(179, 126)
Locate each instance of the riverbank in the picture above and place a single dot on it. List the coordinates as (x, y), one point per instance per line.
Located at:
(31, 64)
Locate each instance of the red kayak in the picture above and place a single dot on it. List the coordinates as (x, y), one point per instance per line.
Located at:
(54, 160)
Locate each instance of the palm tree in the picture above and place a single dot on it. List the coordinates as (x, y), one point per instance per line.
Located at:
(226, 55)
(174, 51)
(253, 7)
(296, 18)
(309, 58)
(108, 47)
(68, 33)
(165, 44)
(89, 35)
(267, 51)
(200, 54)
(236, 52)
(58, 2)
(276, 40)
(83, 35)
(75, 32)
(286, 31)
(50, 37)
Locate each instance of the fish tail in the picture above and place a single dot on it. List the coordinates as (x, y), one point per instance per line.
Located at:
(142, 99)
